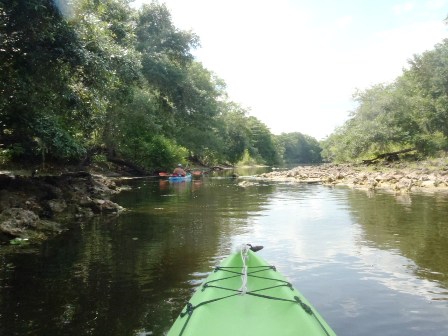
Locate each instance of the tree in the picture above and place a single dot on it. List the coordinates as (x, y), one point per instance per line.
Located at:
(372, 128)
(39, 108)
(107, 79)
(429, 84)
(112, 67)
(411, 112)
(234, 132)
(166, 54)
(202, 96)
(299, 148)
(262, 145)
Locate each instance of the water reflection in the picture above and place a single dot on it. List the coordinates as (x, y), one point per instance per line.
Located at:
(370, 250)
(371, 263)
(415, 226)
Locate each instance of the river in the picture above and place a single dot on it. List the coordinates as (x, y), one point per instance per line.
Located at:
(371, 263)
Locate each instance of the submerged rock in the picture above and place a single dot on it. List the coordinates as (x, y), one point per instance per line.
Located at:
(245, 184)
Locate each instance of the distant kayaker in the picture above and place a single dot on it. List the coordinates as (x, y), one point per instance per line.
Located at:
(179, 171)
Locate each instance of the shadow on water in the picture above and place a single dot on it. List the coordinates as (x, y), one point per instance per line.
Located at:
(370, 264)
(131, 274)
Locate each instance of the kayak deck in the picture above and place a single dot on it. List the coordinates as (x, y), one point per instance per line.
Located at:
(269, 306)
(175, 178)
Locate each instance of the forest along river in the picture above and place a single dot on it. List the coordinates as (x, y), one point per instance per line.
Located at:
(372, 264)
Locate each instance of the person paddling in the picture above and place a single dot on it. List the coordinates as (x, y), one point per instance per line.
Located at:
(179, 171)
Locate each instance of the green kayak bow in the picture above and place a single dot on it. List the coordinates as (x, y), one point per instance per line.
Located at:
(246, 296)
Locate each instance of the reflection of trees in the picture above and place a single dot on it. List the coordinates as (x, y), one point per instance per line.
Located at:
(132, 273)
(189, 226)
(416, 225)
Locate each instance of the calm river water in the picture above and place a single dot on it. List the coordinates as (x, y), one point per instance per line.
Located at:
(372, 264)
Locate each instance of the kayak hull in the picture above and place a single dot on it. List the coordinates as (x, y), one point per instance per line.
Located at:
(270, 306)
(179, 178)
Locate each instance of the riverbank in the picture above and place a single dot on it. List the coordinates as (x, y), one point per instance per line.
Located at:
(38, 207)
(34, 208)
(424, 176)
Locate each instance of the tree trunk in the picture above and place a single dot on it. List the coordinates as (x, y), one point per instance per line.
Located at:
(391, 156)
(128, 164)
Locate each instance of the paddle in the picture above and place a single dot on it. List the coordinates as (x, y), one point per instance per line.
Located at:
(163, 174)
(194, 173)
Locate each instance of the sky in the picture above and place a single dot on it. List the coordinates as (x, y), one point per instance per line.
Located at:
(295, 64)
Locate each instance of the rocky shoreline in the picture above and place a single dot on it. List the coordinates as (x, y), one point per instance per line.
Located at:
(38, 207)
(35, 208)
(397, 178)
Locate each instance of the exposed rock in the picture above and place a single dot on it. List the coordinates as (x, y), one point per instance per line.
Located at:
(245, 184)
(57, 205)
(106, 206)
(83, 212)
(427, 184)
(33, 206)
(15, 221)
(404, 185)
(398, 178)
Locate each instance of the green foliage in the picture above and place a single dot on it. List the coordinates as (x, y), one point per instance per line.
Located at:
(112, 65)
(37, 60)
(202, 101)
(107, 78)
(412, 112)
(247, 160)
(299, 148)
(165, 55)
(244, 138)
(19, 241)
(234, 132)
(53, 138)
(429, 76)
(262, 142)
(155, 152)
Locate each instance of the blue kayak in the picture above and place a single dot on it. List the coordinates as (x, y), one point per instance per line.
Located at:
(175, 178)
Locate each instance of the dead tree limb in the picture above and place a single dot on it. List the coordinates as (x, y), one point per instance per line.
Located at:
(391, 156)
